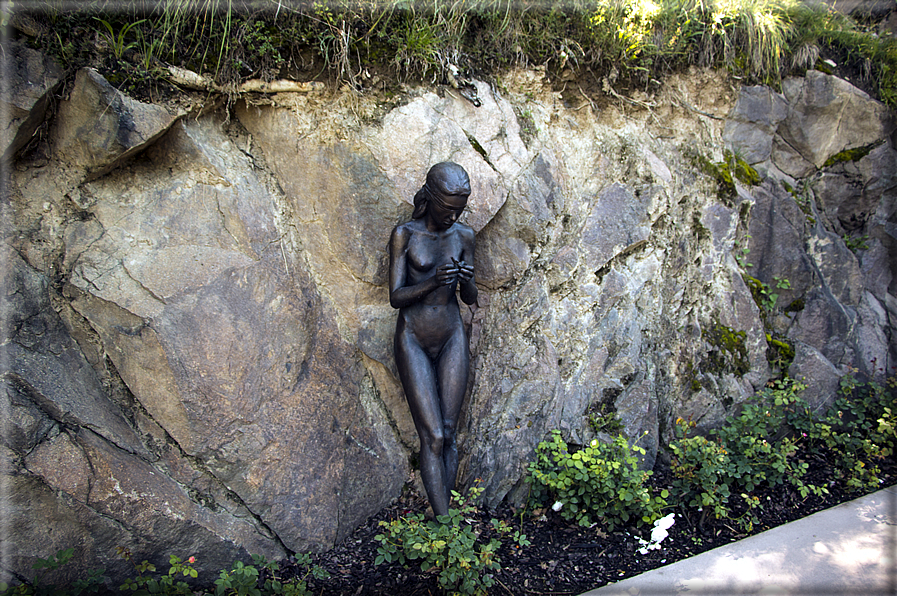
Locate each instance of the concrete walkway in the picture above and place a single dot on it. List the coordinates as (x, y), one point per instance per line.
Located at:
(848, 549)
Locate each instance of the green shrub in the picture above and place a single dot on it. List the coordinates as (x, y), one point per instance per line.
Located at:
(758, 452)
(855, 430)
(765, 296)
(241, 580)
(757, 447)
(448, 545)
(704, 477)
(262, 579)
(887, 428)
(273, 584)
(91, 583)
(700, 473)
(144, 585)
(598, 483)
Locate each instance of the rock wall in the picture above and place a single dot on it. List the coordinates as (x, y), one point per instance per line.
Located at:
(197, 341)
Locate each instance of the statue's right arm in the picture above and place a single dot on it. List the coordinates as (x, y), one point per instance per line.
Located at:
(401, 295)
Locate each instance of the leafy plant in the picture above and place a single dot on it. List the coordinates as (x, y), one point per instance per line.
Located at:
(447, 545)
(274, 584)
(756, 438)
(145, 585)
(756, 447)
(241, 580)
(602, 418)
(742, 255)
(855, 244)
(852, 431)
(117, 42)
(260, 45)
(803, 197)
(887, 426)
(92, 583)
(626, 29)
(703, 478)
(779, 353)
(598, 483)
(262, 579)
(729, 351)
(765, 296)
(700, 472)
(259, 579)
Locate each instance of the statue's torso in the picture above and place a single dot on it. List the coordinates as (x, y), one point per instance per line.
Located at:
(436, 316)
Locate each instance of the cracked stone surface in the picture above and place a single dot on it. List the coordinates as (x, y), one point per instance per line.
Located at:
(100, 127)
(30, 77)
(827, 115)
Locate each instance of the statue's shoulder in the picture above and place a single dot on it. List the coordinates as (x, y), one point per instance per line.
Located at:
(403, 232)
(465, 231)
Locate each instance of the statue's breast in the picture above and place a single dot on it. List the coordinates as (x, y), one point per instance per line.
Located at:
(423, 253)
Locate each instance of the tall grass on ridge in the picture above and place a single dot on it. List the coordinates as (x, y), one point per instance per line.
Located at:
(629, 40)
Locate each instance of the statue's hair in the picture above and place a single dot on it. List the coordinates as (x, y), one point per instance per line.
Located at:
(421, 198)
(447, 178)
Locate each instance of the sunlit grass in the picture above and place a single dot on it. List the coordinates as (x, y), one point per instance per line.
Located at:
(758, 28)
(757, 40)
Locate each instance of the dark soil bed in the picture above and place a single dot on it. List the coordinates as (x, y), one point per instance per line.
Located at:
(565, 558)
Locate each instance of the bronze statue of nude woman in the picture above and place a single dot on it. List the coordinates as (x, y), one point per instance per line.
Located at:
(429, 257)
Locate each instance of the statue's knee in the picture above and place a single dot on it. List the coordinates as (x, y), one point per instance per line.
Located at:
(448, 433)
(433, 442)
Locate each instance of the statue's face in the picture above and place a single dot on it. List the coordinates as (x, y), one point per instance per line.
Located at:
(445, 209)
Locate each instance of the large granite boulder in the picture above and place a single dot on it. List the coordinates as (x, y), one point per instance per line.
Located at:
(827, 115)
(827, 227)
(222, 336)
(79, 464)
(752, 123)
(99, 127)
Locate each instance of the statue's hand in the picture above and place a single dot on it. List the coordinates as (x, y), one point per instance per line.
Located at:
(465, 271)
(446, 274)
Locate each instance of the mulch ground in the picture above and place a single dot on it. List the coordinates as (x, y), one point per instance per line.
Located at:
(565, 558)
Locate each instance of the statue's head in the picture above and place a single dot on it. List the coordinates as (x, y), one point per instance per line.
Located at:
(447, 182)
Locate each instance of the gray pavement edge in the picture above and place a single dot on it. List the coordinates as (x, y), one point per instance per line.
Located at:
(848, 549)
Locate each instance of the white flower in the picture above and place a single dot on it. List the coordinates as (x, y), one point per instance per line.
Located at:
(557, 506)
(658, 534)
(666, 522)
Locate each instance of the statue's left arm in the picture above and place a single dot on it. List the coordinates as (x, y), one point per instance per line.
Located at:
(466, 285)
